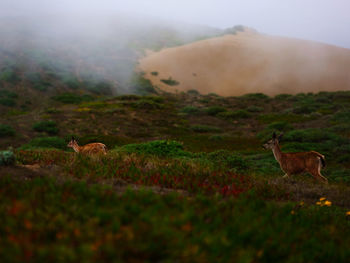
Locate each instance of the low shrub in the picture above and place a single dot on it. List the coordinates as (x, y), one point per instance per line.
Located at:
(49, 127)
(162, 148)
(170, 81)
(46, 142)
(255, 96)
(190, 110)
(193, 92)
(72, 98)
(255, 109)
(215, 110)
(204, 128)
(234, 161)
(7, 158)
(8, 94)
(232, 115)
(8, 102)
(6, 130)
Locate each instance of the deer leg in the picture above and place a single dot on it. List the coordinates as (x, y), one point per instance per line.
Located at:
(285, 176)
(318, 176)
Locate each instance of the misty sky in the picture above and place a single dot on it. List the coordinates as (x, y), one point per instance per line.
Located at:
(321, 20)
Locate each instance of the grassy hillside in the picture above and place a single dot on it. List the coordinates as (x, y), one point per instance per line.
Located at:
(185, 179)
(248, 62)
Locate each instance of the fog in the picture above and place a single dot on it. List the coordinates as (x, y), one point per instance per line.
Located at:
(320, 20)
(103, 39)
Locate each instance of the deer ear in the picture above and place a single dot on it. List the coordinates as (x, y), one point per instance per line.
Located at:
(274, 135)
(73, 139)
(280, 136)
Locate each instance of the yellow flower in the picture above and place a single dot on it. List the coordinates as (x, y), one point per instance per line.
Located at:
(292, 212)
(318, 203)
(322, 198)
(328, 203)
(301, 203)
(348, 213)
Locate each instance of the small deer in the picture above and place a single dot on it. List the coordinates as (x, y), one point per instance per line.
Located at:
(299, 162)
(88, 149)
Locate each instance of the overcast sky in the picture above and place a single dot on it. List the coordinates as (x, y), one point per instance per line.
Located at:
(321, 20)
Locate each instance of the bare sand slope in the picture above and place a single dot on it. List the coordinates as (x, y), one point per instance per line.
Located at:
(233, 65)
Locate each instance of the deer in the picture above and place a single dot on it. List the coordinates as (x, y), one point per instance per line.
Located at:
(88, 149)
(298, 162)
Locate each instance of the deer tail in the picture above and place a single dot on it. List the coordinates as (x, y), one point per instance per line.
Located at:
(322, 158)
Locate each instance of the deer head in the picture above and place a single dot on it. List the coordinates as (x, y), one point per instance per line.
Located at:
(273, 142)
(72, 142)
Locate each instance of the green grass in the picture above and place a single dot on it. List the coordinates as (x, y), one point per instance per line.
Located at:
(170, 82)
(45, 221)
(46, 142)
(72, 98)
(49, 126)
(6, 131)
(204, 128)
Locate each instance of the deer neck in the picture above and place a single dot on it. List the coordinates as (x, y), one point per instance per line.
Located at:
(277, 152)
(76, 147)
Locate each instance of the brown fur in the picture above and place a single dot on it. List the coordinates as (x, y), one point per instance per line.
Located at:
(297, 163)
(88, 149)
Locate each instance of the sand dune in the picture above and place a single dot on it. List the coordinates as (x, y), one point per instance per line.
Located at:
(233, 65)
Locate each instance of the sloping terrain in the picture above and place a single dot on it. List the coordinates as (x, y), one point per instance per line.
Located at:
(248, 62)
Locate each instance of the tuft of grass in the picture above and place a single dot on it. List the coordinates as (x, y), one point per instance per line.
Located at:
(190, 110)
(72, 98)
(170, 82)
(7, 158)
(204, 128)
(161, 148)
(233, 115)
(45, 142)
(49, 126)
(8, 102)
(215, 110)
(6, 131)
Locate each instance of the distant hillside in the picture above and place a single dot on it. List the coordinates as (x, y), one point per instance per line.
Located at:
(85, 48)
(248, 62)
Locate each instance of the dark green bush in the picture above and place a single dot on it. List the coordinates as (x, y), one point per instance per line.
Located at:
(161, 148)
(148, 104)
(141, 85)
(190, 110)
(102, 87)
(232, 115)
(280, 126)
(205, 128)
(6, 130)
(170, 81)
(9, 75)
(214, 110)
(154, 73)
(49, 127)
(46, 142)
(193, 92)
(7, 158)
(234, 161)
(72, 98)
(8, 94)
(255, 96)
(255, 109)
(341, 117)
(7, 102)
(283, 96)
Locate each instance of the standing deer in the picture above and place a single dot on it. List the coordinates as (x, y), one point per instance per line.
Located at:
(299, 162)
(88, 149)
